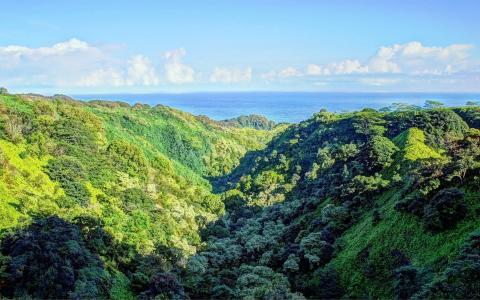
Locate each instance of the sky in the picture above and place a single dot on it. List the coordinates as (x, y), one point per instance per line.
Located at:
(264, 45)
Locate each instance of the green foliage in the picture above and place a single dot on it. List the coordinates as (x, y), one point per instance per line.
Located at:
(291, 264)
(431, 104)
(72, 132)
(366, 184)
(157, 203)
(381, 151)
(128, 158)
(253, 121)
(471, 115)
(445, 209)
(336, 180)
(16, 119)
(135, 198)
(461, 278)
(407, 282)
(399, 106)
(315, 249)
(122, 175)
(412, 143)
(259, 282)
(49, 259)
(70, 173)
(163, 286)
(324, 285)
(439, 125)
(368, 123)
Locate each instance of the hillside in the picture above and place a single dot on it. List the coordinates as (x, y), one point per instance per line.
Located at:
(253, 121)
(104, 200)
(133, 180)
(356, 205)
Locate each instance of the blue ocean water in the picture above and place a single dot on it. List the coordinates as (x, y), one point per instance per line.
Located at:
(280, 106)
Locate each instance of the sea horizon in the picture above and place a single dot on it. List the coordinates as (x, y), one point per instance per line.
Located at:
(289, 107)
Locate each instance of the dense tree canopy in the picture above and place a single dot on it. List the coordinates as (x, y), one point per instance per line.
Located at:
(104, 200)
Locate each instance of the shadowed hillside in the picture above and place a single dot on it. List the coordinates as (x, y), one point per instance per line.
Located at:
(361, 205)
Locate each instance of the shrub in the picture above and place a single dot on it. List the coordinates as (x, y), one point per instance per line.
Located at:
(366, 185)
(65, 168)
(71, 132)
(163, 286)
(69, 173)
(406, 282)
(445, 209)
(49, 259)
(380, 151)
(291, 264)
(337, 220)
(324, 284)
(461, 278)
(471, 115)
(315, 250)
(135, 198)
(128, 158)
(258, 282)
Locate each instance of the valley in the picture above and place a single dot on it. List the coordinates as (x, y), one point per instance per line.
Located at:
(105, 199)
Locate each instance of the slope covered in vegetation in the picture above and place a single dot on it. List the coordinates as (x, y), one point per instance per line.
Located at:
(253, 121)
(357, 205)
(131, 179)
(104, 200)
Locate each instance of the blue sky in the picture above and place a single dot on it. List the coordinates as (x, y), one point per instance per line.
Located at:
(183, 46)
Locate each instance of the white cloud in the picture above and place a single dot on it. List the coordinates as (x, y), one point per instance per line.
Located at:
(410, 58)
(224, 75)
(412, 63)
(73, 63)
(140, 71)
(102, 77)
(76, 64)
(382, 61)
(416, 50)
(346, 67)
(175, 70)
(316, 70)
(71, 54)
(415, 58)
(21, 52)
(289, 72)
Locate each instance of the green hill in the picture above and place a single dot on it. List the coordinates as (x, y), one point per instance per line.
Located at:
(105, 200)
(138, 174)
(253, 121)
(356, 205)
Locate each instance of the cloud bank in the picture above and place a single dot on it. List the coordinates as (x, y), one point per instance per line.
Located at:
(412, 58)
(225, 75)
(77, 64)
(407, 66)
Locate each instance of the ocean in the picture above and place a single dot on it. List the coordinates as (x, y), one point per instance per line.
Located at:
(279, 106)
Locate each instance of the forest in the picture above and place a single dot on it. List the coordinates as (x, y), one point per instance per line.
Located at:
(107, 200)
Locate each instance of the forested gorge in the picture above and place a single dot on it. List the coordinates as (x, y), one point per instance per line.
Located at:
(102, 199)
